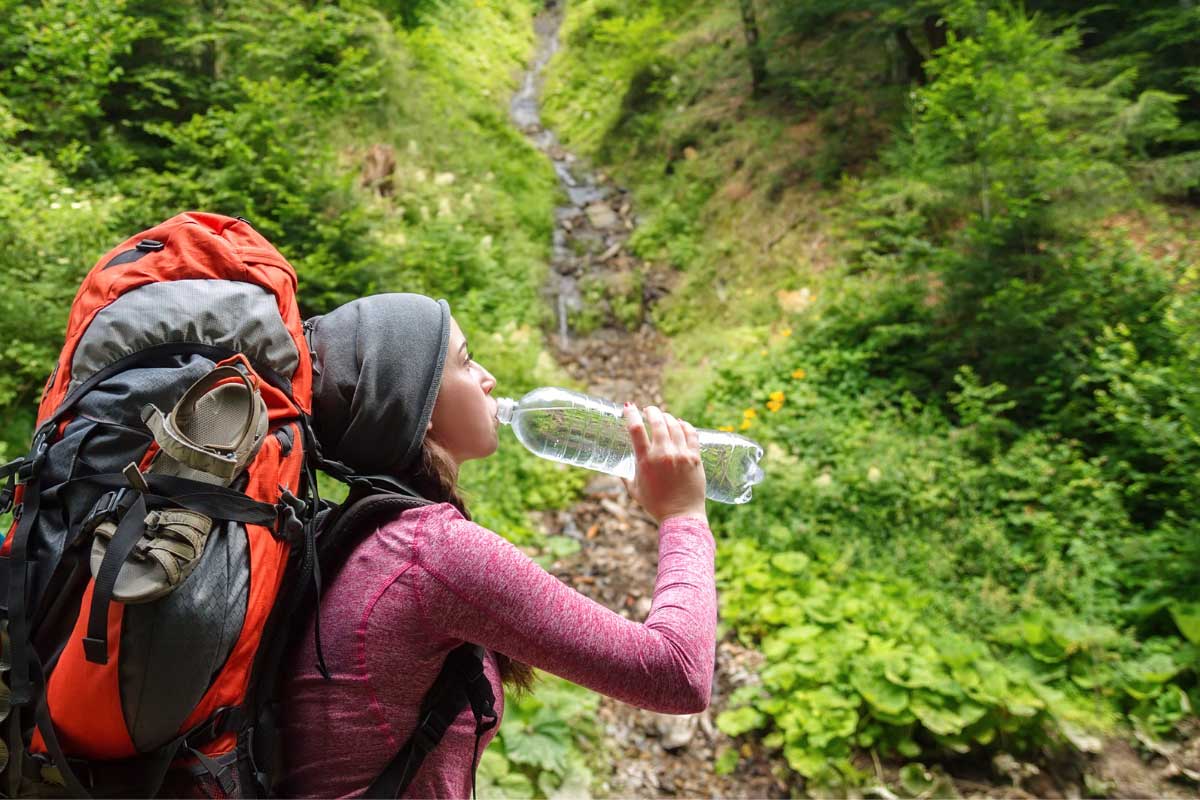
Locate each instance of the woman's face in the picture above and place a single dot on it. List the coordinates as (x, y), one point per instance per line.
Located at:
(464, 414)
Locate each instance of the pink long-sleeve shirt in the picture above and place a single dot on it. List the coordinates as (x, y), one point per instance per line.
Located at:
(429, 580)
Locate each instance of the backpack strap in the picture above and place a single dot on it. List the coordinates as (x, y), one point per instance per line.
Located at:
(461, 681)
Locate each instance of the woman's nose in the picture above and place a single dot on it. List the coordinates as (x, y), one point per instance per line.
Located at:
(489, 381)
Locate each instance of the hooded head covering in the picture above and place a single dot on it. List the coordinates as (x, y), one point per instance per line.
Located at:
(376, 373)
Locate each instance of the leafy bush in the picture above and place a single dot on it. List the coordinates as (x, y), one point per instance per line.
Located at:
(48, 232)
(855, 661)
(541, 750)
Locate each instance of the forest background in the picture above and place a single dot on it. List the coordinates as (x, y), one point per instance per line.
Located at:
(938, 257)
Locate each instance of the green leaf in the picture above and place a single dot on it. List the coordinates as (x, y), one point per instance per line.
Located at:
(791, 563)
(495, 778)
(726, 762)
(737, 721)
(561, 546)
(808, 763)
(1187, 619)
(943, 716)
(915, 779)
(576, 784)
(881, 694)
(544, 744)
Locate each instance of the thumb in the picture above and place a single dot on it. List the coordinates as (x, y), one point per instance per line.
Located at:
(628, 486)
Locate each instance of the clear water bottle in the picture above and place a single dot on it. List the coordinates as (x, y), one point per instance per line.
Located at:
(589, 432)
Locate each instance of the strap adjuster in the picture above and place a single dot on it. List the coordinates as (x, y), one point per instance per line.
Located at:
(111, 506)
(223, 720)
(33, 463)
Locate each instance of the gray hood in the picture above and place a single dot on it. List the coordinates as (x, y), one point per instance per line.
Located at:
(376, 374)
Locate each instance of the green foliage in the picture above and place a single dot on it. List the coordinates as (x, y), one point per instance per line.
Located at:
(854, 659)
(48, 232)
(58, 62)
(541, 750)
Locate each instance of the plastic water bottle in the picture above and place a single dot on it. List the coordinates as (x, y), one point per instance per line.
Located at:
(589, 432)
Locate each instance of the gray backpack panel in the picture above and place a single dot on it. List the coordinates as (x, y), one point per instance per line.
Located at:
(239, 317)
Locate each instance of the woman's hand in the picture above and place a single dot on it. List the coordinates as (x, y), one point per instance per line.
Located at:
(669, 481)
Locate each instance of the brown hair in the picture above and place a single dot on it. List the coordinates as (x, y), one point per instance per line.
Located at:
(433, 478)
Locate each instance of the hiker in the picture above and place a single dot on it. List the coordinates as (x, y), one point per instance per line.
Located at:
(397, 395)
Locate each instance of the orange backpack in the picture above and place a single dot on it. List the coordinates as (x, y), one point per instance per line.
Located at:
(161, 536)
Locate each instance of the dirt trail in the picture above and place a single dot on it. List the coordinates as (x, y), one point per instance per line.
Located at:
(654, 755)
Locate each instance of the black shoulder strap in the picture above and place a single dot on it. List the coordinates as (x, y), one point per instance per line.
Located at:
(461, 682)
(345, 526)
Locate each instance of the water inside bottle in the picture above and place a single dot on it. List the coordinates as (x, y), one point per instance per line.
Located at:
(591, 433)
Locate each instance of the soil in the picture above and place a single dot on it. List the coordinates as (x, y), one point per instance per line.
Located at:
(658, 755)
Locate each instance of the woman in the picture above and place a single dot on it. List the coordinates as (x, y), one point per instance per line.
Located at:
(396, 392)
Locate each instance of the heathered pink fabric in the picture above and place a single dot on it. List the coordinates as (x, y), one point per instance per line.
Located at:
(429, 580)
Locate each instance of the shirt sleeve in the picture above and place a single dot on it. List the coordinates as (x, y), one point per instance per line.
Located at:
(476, 586)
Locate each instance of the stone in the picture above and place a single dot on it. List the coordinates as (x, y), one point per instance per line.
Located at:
(601, 215)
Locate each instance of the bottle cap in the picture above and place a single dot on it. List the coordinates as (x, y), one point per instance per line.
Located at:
(505, 406)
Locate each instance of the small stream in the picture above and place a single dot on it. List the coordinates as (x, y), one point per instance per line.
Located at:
(591, 229)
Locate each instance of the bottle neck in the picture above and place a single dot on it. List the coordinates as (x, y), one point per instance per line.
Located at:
(505, 408)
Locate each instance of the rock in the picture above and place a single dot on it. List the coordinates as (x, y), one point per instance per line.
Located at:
(617, 510)
(601, 215)
(676, 730)
(604, 485)
(610, 252)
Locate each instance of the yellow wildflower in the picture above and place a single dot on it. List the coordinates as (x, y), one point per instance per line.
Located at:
(749, 413)
(786, 332)
(777, 396)
(762, 352)
(799, 374)
(746, 423)
(774, 406)
(726, 428)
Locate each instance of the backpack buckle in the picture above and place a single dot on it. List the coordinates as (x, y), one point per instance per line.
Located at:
(32, 464)
(226, 719)
(111, 506)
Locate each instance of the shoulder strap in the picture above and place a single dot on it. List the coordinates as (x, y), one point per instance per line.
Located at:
(461, 682)
(345, 526)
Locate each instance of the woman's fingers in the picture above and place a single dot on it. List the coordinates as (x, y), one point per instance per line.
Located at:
(637, 431)
(659, 436)
(693, 438)
(678, 437)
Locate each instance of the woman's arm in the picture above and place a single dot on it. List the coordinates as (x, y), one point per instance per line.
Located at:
(478, 587)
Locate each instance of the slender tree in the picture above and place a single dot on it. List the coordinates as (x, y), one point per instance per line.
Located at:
(754, 50)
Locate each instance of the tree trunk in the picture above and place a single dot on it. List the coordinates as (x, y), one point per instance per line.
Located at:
(935, 33)
(758, 59)
(913, 60)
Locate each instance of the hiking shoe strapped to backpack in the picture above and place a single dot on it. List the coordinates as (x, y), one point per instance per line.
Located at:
(210, 436)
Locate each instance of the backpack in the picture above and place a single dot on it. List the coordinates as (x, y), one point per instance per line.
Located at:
(165, 534)
(141, 580)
